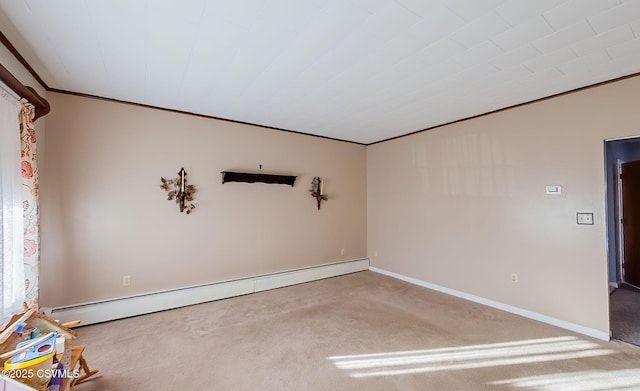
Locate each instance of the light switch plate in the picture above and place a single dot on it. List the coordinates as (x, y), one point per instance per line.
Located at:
(585, 218)
(553, 190)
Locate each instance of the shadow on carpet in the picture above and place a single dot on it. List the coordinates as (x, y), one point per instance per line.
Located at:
(624, 314)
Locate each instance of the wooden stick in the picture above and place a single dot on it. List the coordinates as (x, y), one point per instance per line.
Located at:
(9, 330)
(71, 324)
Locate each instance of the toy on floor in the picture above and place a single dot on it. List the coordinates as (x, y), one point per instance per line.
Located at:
(26, 332)
(77, 359)
(35, 348)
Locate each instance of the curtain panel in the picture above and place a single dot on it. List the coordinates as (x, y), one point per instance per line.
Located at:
(31, 217)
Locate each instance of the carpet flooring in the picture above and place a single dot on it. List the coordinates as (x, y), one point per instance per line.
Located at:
(362, 331)
(624, 310)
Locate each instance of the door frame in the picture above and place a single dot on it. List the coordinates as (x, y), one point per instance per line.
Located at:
(613, 198)
(619, 226)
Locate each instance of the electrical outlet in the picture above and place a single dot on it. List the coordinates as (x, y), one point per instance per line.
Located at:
(585, 218)
(126, 280)
(342, 252)
(514, 277)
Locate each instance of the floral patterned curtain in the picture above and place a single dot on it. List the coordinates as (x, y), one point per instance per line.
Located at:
(30, 203)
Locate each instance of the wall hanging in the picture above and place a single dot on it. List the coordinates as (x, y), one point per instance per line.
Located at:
(178, 189)
(317, 190)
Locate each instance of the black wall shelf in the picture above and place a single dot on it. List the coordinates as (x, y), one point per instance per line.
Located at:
(231, 176)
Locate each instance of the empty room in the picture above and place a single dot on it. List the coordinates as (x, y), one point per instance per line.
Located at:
(356, 194)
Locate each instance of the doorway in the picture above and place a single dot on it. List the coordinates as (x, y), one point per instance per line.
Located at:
(622, 159)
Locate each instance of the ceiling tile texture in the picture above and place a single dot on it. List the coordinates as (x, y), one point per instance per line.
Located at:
(356, 70)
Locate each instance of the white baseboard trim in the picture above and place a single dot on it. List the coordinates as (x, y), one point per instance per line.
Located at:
(124, 307)
(602, 335)
(613, 285)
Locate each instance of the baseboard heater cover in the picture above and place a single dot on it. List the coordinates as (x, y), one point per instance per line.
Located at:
(602, 335)
(124, 307)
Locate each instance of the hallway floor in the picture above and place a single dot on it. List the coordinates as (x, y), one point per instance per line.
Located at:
(624, 310)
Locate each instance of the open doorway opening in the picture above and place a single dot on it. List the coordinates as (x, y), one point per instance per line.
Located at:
(622, 159)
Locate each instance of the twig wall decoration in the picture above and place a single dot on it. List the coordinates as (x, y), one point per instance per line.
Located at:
(317, 190)
(179, 190)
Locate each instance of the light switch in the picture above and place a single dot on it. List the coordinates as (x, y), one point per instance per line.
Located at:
(585, 218)
(554, 190)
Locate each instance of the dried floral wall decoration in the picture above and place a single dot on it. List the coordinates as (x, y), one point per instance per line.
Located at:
(316, 191)
(178, 189)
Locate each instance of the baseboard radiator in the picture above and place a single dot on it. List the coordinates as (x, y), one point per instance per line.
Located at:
(124, 307)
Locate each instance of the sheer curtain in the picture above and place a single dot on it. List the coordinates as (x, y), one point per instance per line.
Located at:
(12, 283)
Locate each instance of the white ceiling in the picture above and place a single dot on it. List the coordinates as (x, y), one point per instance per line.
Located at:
(357, 70)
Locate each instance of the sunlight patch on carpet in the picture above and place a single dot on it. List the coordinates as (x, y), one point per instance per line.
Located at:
(579, 381)
(468, 357)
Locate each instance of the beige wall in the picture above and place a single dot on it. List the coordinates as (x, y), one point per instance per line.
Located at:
(464, 206)
(105, 215)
